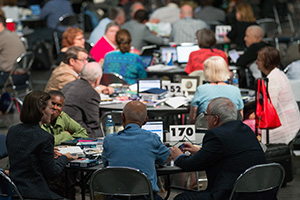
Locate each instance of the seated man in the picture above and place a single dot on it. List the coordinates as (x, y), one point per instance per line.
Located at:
(62, 126)
(82, 100)
(184, 30)
(229, 148)
(70, 69)
(140, 34)
(135, 147)
(11, 48)
(253, 40)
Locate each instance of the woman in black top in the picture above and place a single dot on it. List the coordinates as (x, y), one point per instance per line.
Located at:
(31, 149)
(244, 18)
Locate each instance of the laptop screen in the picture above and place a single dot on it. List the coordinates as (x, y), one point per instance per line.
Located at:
(183, 53)
(36, 9)
(146, 84)
(147, 60)
(155, 127)
(165, 50)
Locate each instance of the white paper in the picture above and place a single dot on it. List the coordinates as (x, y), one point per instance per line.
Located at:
(71, 150)
(175, 102)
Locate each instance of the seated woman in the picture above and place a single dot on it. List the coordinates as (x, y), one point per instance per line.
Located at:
(216, 73)
(244, 18)
(122, 62)
(206, 40)
(31, 149)
(71, 37)
(106, 44)
(282, 97)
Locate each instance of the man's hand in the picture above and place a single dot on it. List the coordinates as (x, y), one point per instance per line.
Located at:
(175, 152)
(106, 89)
(190, 148)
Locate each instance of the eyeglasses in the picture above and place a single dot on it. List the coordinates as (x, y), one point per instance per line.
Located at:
(206, 114)
(82, 60)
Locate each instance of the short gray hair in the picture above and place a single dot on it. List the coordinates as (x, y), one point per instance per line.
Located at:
(91, 71)
(224, 108)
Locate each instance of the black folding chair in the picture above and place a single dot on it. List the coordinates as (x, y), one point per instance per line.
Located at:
(120, 181)
(260, 182)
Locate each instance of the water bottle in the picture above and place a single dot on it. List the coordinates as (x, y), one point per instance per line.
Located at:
(109, 125)
(19, 27)
(235, 78)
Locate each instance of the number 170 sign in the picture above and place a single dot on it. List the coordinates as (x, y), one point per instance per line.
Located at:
(179, 132)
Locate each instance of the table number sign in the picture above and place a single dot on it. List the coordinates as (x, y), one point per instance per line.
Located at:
(178, 132)
(173, 88)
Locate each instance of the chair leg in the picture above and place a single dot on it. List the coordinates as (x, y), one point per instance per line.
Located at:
(277, 19)
(289, 16)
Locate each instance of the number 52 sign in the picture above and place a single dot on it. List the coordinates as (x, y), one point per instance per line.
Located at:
(178, 132)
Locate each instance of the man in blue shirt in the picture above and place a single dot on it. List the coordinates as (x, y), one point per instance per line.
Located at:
(135, 147)
(53, 10)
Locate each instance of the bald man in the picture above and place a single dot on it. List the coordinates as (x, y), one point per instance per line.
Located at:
(135, 147)
(184, 29)
(253, 40)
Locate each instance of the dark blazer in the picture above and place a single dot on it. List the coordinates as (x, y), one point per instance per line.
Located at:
(82, 104)
(227, 151)
(31, 156)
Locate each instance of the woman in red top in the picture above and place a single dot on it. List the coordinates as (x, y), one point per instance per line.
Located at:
(206, 40)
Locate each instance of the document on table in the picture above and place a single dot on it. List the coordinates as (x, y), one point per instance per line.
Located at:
(160, 68)
(72, 150)
(175, 102)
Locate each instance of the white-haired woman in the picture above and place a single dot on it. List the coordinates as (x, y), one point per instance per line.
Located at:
(216, 74)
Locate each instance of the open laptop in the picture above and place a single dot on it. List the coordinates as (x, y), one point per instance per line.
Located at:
(147, 60)
(165, 50)
(35, 9)
(146, 84)
(155, 127)
(183, 53)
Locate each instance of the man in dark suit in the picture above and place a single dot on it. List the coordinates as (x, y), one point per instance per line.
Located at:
(82, 100)
(229, 148)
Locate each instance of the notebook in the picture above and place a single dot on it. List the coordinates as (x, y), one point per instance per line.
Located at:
(146, 84)
(183, 53)
(155, 127)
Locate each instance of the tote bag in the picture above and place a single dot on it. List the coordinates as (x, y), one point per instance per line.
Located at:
(266, 115)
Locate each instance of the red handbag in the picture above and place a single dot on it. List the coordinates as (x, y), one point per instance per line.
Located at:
(266, 115)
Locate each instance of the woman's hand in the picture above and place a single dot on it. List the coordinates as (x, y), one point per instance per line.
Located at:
(56, 153)
(70, 157)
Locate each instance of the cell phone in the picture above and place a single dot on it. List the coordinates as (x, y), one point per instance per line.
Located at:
(181, 146)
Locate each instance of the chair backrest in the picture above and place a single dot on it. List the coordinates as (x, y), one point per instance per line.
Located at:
(67, 20)
(120, 181)
(200, 122)
(295, 85)
(21, 66)
(7, 187)
(116, 117)
(108, 78)
(200, 74)
(259, 182)
(269, 25)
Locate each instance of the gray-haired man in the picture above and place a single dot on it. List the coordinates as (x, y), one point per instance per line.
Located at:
(229, 148)
(82, 100)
